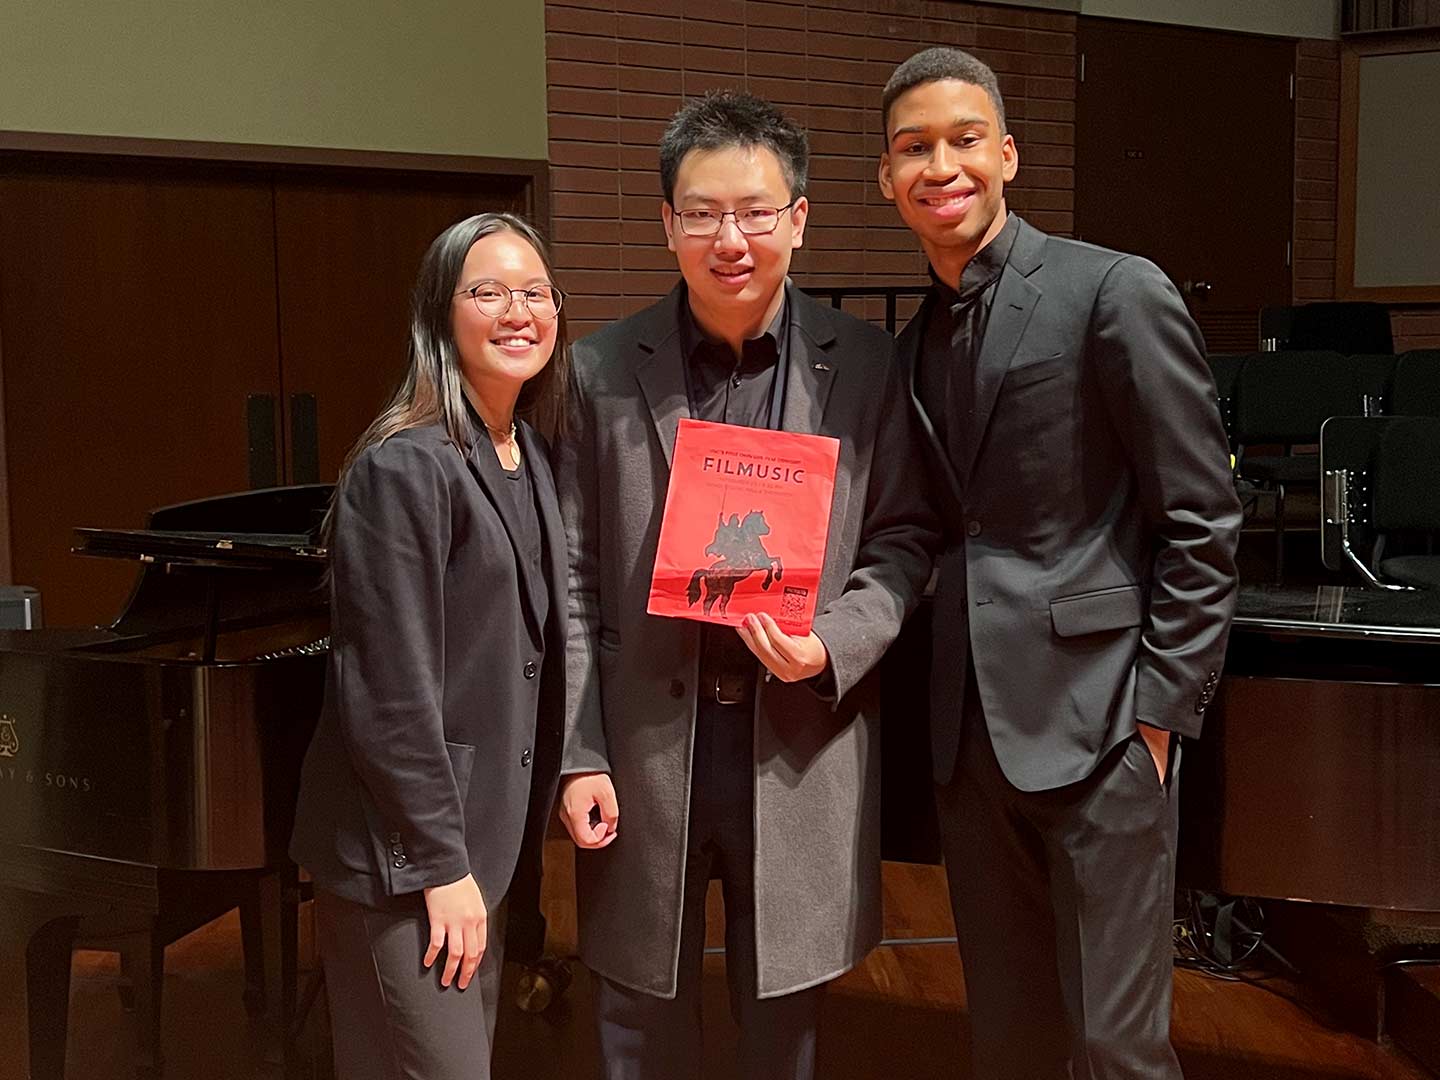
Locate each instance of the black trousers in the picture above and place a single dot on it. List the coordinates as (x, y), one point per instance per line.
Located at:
(644, 1037)
(390, 1018)
(1063, 904)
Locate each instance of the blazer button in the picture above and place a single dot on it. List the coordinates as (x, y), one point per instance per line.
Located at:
(530, 669)
(400, 862)
(525, 757)
(973, 528)
(677, 688)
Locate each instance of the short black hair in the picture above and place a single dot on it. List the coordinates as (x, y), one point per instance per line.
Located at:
(932, 65)
(724, 118)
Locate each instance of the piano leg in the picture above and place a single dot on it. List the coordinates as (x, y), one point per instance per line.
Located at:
(47, 991)
(289, 966)
(143, 955)
(252, 944)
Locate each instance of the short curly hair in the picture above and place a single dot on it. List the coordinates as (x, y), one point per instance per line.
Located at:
(935, 64)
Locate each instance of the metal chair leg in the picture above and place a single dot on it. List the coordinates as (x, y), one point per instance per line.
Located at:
(1279, 534)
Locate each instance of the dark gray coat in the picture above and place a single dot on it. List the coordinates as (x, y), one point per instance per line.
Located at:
(441, 723)
(1090, 538)
(631, 676)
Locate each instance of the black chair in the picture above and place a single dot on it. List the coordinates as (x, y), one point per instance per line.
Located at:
(1225, 368)
(1406, 510)
(1374, 378)
(1415, 388)
(1344, 327)
(1283, 399)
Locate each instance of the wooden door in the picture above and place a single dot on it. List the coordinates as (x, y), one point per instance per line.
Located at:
(347, 254)
(137, 313)
(1184, 153)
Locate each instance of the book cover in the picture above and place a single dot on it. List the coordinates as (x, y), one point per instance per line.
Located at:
(746, 519)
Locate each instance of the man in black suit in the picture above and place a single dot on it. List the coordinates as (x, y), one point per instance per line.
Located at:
(1084, 597)
(738, 753)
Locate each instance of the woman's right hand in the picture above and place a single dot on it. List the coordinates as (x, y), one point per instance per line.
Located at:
(458, 924)
(581, 794)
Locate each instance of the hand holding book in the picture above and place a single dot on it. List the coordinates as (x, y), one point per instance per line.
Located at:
(788, 658)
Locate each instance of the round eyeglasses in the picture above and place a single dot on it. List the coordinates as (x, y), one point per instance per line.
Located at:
(493, 299)
(750, 220)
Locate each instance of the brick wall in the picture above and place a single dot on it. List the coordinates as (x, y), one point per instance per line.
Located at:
(617, 69)
(1317, 157)
(1317, 142)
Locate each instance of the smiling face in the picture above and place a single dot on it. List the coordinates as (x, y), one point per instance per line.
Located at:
(734, 278)
(945, 169)
(496, 350)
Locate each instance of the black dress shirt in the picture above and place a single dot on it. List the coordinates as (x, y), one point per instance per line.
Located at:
(518, 511)
(748, 391)
(945, 380)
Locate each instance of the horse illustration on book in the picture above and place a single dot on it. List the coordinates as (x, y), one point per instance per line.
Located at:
(738, 551)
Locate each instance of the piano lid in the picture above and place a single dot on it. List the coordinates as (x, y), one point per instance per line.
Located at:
(1340, 612)
(237, 549)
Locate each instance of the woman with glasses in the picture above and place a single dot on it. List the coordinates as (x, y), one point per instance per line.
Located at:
(439, 737)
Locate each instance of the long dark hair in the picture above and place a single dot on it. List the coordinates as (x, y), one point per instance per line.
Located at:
(433, 389)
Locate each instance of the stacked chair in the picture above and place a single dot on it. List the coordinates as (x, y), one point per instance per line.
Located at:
(1282, 399)
(1378, 477)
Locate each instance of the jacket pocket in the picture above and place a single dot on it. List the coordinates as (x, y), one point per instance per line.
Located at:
(462, 762)
(1036, 371)
(1093, 612)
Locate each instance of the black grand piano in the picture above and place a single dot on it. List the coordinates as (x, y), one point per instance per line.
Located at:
(148, 770)
(1318, 775)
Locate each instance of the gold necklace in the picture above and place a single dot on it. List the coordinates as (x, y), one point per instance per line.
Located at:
(509, 436)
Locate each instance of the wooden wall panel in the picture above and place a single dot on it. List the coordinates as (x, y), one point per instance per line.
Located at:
(617, 69)
(347, 256)
(137, 312)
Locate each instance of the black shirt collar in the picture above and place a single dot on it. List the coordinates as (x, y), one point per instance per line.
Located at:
(982, 270)
(756, 354)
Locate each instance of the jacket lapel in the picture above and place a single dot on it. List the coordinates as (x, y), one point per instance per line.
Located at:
(661, 373)
(552, 527)
(908, 346)
(811, 366)
(1015, 300)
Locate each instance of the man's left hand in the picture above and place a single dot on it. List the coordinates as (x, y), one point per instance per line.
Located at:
(1158, 740)
(788, 658)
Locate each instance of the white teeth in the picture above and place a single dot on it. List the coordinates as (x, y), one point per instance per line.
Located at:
(513, 341)
(947, 200)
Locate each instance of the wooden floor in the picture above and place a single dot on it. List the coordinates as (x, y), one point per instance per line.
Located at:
(900, 1015)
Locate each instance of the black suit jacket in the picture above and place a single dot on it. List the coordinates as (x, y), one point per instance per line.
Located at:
(1090, 535)
(444, 701)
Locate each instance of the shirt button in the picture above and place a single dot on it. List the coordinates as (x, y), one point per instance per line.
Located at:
(735, 381)
(525, 757)
(677, 688)
(530, 669)
(973, 528)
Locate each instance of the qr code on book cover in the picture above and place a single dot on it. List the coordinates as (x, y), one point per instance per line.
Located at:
(792, 604)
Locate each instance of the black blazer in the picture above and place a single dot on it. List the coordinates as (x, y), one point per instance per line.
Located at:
(444, 696)
(1090, 534)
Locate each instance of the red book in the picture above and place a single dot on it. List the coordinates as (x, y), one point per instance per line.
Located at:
(746, 519)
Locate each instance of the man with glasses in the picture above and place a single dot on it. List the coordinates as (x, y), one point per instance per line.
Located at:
(743, 754)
